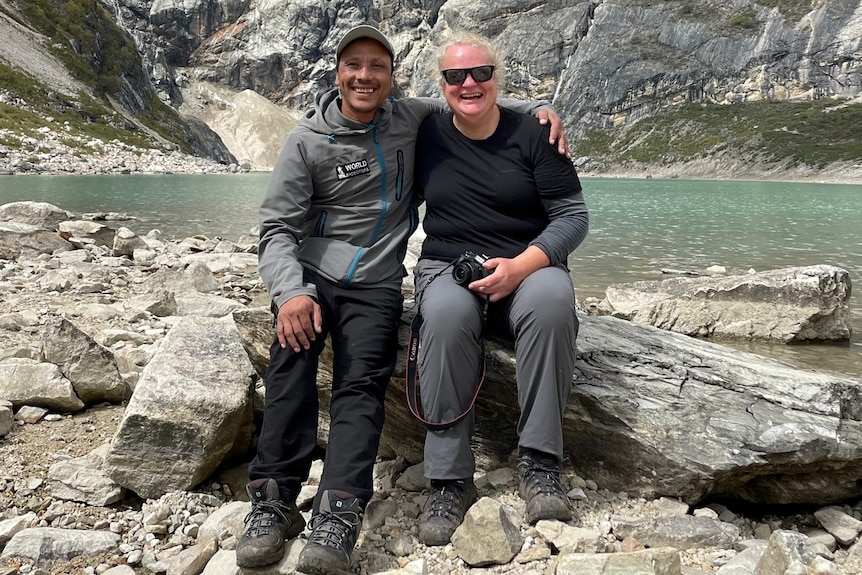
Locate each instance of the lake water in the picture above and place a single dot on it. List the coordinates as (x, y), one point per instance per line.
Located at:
(637, 228)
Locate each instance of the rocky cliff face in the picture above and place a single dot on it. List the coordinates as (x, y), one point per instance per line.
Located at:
(603, 63)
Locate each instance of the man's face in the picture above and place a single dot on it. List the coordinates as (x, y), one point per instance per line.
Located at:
(364, 76)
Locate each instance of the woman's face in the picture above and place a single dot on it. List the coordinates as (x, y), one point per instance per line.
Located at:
(471, 100)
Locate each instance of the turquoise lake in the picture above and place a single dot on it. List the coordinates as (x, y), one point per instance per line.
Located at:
(638, 227)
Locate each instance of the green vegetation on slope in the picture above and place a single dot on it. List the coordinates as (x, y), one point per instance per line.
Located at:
(85, 38)
(83, 116)
(793, 133)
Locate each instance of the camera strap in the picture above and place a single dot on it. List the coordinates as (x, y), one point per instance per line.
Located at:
(412, 376)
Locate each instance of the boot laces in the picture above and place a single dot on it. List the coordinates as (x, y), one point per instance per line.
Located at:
(445, 501)
(335, 530)
(263, 515)
(541, 478)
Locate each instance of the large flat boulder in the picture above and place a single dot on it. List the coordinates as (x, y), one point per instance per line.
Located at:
(789, 305)
(655, 413)
(17, 239)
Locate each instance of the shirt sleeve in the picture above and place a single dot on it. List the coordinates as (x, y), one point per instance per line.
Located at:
(560, 191)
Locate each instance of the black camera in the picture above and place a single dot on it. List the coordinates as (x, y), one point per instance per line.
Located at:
(468, 268)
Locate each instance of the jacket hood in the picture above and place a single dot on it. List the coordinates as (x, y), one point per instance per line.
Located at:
(326, 117)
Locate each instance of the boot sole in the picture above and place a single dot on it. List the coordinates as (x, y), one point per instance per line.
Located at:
(259, 560)
(317, 566)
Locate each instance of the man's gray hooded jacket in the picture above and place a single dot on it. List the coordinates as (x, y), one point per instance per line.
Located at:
(340, 198)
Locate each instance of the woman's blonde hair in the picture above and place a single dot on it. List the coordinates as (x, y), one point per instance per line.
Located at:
(477, 41)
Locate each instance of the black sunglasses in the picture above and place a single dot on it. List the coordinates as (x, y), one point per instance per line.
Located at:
(456, 76)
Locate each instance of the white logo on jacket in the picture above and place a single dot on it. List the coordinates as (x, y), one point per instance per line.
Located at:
(344, 171)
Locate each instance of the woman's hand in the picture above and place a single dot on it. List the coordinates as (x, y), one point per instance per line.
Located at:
(508, 273)
(502, 281)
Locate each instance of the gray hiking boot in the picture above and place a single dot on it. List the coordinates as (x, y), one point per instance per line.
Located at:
(539, 476)
(334, 531)
(444, 510)
(269, 523)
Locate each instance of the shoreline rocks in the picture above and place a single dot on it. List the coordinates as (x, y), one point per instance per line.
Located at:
(788, 305)
(51, 154)
(55, 492)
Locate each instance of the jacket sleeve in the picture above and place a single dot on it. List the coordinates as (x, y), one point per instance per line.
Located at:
(421, 108)
(282, 213)
(560, 192)
(523, 107)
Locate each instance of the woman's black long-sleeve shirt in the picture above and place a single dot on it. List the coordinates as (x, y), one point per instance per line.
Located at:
(499, 195)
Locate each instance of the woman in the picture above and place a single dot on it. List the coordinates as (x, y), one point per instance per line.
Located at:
(493, 186)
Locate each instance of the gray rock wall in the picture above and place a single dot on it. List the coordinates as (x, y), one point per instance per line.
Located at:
(602, 63)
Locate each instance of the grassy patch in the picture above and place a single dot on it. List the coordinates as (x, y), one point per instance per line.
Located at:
(792, 10)
(809, 133)
(86, 39)
(85, 117)
(744, 21)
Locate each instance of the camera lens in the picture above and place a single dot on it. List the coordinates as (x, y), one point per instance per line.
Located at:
(460, 273)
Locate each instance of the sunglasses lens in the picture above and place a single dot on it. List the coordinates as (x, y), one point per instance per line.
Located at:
(482, 73)
(454, 77)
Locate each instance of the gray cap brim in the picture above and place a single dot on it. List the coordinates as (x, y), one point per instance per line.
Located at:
(364, 31)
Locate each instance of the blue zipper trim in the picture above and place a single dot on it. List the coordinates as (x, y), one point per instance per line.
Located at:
(383, 201)
(351, 271)
(321, 224)
(399, 180)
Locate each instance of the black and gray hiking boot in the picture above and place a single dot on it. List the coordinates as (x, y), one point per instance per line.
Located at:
(444, 510)
(539, 476)
(269, 523)
(334, 531)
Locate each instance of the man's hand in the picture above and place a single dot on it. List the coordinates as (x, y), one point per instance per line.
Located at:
(558, 133)
(299, 322)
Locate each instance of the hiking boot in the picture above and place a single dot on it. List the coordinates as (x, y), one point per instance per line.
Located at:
(539, 476)
(444, 511)
(333, 534)
(269, 523)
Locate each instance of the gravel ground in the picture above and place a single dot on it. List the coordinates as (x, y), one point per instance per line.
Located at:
(29, 451)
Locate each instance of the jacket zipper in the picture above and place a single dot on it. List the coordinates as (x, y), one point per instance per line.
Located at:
(351, 272)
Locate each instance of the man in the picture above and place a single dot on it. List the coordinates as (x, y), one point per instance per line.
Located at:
(334, 224)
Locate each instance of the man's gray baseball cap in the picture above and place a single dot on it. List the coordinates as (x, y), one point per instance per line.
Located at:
(363, 31)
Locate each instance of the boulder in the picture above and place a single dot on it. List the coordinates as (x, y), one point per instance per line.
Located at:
(81, 479)
(43, 545)
(126, 242)
(99, 234)
(655, 413)
(25, 381)
(39, 214)
(6, 417)
(18, 240)
(789, 305)
(190, 410)
(90, 367)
